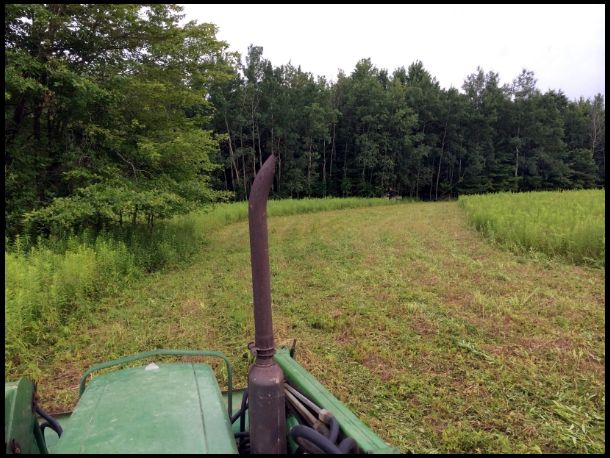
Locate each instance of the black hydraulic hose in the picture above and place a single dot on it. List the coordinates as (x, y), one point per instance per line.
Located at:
(244, 405)
(45, 425)
(52, 423)
(242, 421)
(236, 416)
(347, 445)
(242, 409)
(334, 430)
(317, 439)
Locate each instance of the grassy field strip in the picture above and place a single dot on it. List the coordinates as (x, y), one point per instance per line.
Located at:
(569, 224)
(437, 339)
(227, 213)
(53, 283)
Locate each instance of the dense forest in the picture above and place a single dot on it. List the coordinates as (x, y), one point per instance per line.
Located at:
(118, 115)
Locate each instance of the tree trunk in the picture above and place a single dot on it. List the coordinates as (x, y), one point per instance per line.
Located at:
(37, 115)
(260, 151)
(253, 147)
(438, 175)
(451, 167)
(18, 116)
(49, 125)
(232, 154)
(272, 137)
(243, 165)
(324, 167)
(333, 153)
(309, 170)
(517, 152)
(279, 166)
(431, 180)
(345, 165)
(596, 134)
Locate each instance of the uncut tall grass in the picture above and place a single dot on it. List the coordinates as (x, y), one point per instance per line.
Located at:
(565, 224)
(208, 219)
(50, 284)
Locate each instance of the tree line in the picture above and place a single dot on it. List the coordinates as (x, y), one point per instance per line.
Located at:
(372, 133)
(117, 115)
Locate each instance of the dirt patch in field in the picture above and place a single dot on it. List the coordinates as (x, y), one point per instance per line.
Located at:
(546, 343)
(423, 326)
(379, 367)
(345, 337)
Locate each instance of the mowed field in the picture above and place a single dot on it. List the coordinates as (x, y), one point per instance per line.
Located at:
(438, 339)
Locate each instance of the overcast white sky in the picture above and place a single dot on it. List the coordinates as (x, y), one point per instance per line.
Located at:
(563, 44)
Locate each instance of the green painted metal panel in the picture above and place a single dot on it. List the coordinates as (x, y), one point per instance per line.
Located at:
(177, 408)
(291, 422)
(351, 426)
(157, 353)
(210, 441)
(19, 420)
(63, 419)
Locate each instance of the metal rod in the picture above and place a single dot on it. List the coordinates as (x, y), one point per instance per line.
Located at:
(303, 399)
(300, 408)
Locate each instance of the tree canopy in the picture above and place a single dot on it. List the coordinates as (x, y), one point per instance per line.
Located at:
(106, 114)
(117, 114)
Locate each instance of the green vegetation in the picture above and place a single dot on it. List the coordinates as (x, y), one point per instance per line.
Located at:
(106, 116)
(439, 340)
(374, 132)
(126, 134)
(227, 213)
(55, 283)
(119, 116)
(570, 224)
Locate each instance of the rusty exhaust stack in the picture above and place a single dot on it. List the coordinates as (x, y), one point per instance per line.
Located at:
(266, 404)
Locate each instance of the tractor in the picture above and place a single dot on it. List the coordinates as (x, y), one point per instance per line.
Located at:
(178, 407)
